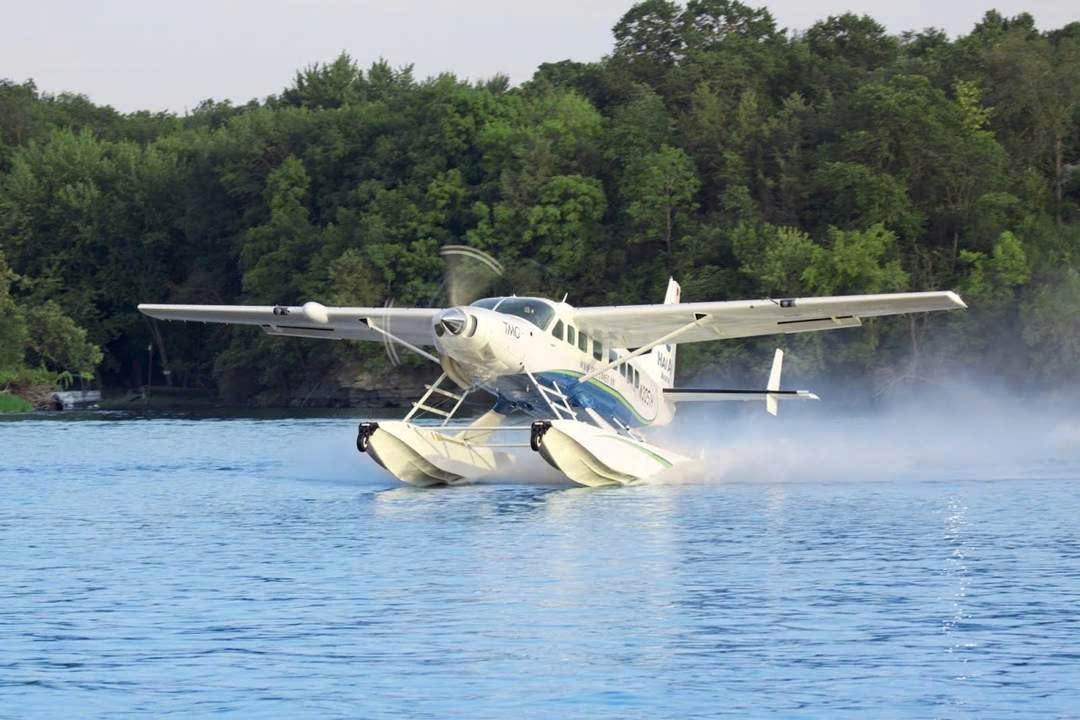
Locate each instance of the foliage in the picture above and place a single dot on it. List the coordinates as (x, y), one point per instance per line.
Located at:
(13, 333)
(660, 193)
(1052, 327)
(58, 343)
(13, 403)
(710, 145)
(40, 346)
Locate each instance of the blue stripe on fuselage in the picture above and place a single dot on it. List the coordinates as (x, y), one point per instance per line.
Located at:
(517, 390)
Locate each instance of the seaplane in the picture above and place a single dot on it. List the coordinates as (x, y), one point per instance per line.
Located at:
(590, 381)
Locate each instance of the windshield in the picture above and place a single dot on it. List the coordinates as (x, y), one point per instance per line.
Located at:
(538, 312)
(488, 303)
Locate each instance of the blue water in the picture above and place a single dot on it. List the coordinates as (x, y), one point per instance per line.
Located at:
(264, 568)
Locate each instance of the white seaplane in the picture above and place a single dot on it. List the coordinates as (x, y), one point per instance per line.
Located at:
(570, 369)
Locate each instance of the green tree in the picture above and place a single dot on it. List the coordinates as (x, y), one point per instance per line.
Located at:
(13, 333)
(1034, 87)
(661, 193)
(992, 279)
(274, 252)
(853, 196)
(648, 39)
(1051, 327)
(857, 262)
(565, 225)
(326, 85)
(849, 48)
(58, 343)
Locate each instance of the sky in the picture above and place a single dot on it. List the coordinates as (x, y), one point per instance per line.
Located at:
(152, 55)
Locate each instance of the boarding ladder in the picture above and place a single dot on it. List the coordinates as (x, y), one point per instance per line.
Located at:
(422, 404)
(555, 399)
(456, 434)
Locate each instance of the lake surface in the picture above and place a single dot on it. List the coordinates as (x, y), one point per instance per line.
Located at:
(189, 567)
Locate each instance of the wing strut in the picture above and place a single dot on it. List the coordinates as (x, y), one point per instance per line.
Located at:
(698, 319)
(393, 338)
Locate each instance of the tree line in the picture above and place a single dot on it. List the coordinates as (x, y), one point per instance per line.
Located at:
(710, 144)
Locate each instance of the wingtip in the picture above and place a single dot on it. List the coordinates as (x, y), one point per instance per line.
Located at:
(957, 301)
(147, 309)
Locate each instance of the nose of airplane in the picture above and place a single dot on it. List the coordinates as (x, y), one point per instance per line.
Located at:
(453, 321)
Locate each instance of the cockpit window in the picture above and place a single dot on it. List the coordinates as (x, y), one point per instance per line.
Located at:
(488, 303)
(538, 312)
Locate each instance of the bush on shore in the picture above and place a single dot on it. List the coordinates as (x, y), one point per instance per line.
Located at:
(13, 403)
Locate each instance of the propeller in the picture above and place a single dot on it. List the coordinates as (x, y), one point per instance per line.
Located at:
(467, 274)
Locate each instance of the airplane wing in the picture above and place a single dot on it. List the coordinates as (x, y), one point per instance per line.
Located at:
(638, 325)
(414, 325)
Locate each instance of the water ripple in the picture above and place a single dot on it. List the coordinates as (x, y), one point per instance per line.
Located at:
(196, 567)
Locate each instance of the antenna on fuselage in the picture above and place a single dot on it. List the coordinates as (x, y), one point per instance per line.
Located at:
(564, 296)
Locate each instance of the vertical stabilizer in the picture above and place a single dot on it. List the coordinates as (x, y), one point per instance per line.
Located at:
(774, 382)
(664, 355)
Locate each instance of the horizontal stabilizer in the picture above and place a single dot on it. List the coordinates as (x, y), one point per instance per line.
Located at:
(704, 395)
(772, 392)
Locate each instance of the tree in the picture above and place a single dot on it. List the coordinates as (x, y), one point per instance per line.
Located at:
(856, 262)
(13, 333)
(992, 278)
(775, 258)
(58, 343)
(565, 225)
(648, 39)
(1051, 327)
(41, 333)
(707, 24)
(849, 48)
(273, 252)
(911, 130)
(842, 159)
(853, 196)
(661, 193)
(1034, 87)
(327, 85)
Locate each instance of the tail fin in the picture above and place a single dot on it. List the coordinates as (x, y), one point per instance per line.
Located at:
(664, 355)
(771, 405)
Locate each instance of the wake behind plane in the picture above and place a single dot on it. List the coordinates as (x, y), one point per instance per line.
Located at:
(568, 368)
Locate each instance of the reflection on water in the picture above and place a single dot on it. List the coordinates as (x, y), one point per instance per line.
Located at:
(264, 567)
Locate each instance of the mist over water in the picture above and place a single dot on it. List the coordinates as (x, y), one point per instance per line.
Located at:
(956, 431)
(922, 560)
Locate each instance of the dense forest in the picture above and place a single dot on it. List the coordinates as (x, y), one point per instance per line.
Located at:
(709, 144)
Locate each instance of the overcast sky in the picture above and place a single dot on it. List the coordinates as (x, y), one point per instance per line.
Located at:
(143, 54)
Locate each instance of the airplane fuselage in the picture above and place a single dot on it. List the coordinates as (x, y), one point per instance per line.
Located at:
(498, 351)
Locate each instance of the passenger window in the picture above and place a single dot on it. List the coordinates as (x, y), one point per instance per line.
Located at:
(583, 342)
(557, 330)
(570, 334)
(612, 356)
(598, 349)
(622, 369)
(636, 377)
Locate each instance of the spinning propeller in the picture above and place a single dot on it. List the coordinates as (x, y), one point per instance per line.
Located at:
(468, 274)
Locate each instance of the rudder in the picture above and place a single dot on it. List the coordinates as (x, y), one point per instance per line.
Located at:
(664, 355)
